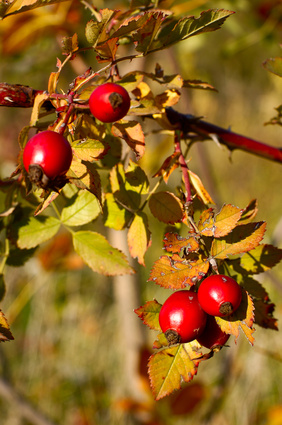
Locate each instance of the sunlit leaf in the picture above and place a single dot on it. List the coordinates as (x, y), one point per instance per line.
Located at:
(144, 36)
(19, 6)
(243, 319)
(131, 132)
(175, 273)
(80, 209)
(167, 99)
(32, 231)
(99, 255)
(5, 333)
(38, 102)
(149, 314)
(89, 149)
(166, 207)
(85, 176)
(115, 216)
(69, 44)
(199, 188)
(48, 199)
(261, 258)
(249, 212)
(169, 165)
(198, 84)
(96, 32)
(175, 243)
(139, 237)
(242, 239)
(220, 224)
(274, 65)
(107, 51)
(168, 368)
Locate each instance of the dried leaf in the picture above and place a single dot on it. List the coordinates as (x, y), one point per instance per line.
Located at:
(264, 314)
(85, 176)
(222, 223)
(38, 102)
(5, 333)
(149, 314)
(175, 273)
(166, 207)
(242, 239)
(175, 243)
(249, 212)
(168, 368)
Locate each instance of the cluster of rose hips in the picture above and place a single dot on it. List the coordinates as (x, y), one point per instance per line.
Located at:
(187, 315)
(47, 156)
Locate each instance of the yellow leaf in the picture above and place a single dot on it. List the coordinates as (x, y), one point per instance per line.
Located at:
(200, 190)
(38, 102)
(139, 237)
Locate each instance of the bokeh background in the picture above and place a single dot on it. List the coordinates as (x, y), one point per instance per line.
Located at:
(79, 355)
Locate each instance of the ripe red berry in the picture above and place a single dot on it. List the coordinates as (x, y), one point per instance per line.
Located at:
(181, 317)
(219, 295)
(46, 156)
(109, 102)
(212, 336)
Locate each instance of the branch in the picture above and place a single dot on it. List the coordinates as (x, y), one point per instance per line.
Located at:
(24, 408)
(190, 124)
(16, 95)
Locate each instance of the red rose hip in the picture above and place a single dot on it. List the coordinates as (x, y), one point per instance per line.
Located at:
(46, 156)
(219, 295)
(181, 317)
(212, 336)
(109, 102)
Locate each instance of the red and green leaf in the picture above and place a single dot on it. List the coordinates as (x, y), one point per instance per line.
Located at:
(149, 314)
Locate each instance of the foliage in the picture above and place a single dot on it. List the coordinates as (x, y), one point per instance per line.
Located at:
(105, 181)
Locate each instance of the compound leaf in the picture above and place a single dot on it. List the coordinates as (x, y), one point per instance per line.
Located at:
(149, 314)
(175, 273)
(99, 255)
(171, 366)
(242, 239)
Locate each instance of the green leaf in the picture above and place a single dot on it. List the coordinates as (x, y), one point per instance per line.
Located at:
(33, 231)
(90, 149)
(274, 65)
(176, 273)
(220, 224)
(115, 216)
(166, 207)
(186, 27)
(242, 239)
(139, 237)
(81, 209)
(260, 259)
(127, 186)
(168, 368)
(149, 314)
(96, 32)
(99, 255)
(144, 37)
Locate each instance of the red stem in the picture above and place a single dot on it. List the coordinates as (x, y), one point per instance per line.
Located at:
(189, 123)
(183, 166)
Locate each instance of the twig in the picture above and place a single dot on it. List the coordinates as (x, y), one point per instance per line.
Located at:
(24, 407)
(190, 124)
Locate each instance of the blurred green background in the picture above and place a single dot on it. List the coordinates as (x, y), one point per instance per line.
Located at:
(79, 354)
